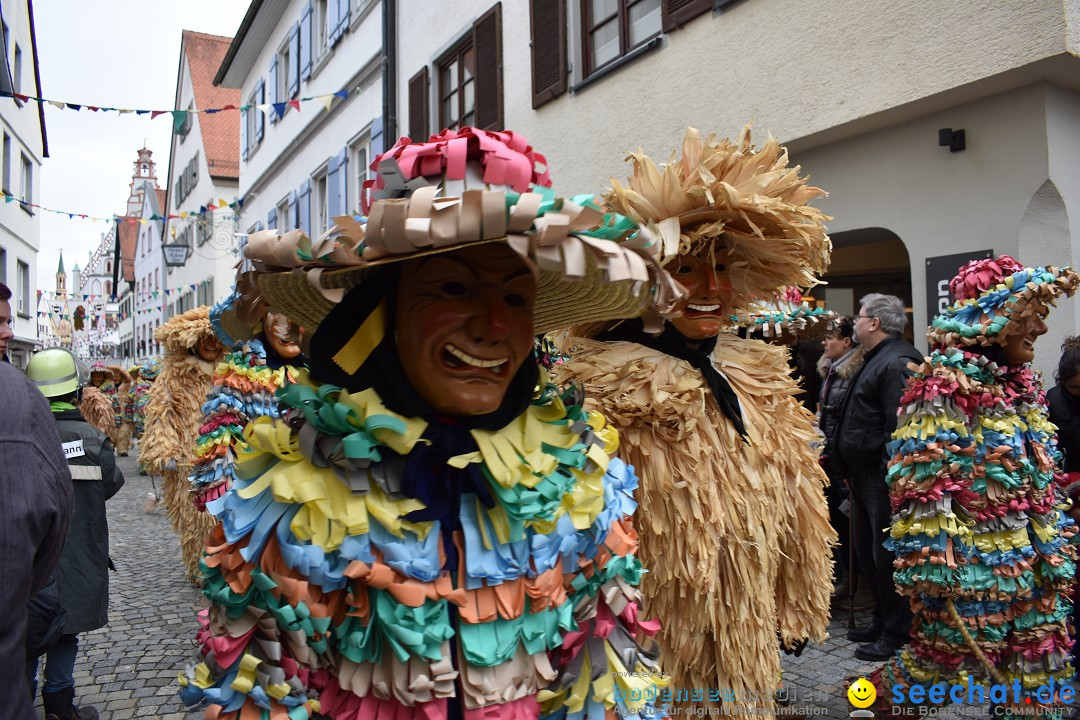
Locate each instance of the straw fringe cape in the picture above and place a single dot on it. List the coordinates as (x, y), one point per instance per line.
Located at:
(736, 536)
(173, 412)
(97, 409)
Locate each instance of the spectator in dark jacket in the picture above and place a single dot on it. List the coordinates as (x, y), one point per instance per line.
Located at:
(837, 367)
(866, 424)
(35, 508)
(83, 573)
(1064, 401)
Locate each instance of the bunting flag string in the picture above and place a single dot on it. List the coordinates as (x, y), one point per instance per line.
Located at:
(180, 116)
(187, 215)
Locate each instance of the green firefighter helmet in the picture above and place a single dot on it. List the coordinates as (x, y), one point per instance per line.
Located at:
(56, 372)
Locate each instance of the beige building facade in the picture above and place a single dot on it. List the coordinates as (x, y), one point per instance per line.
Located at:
(858, 91)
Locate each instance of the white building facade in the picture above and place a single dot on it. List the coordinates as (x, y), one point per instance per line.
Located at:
(204, 170)
(144, 212)
(304, 163)
(24, 145)
(93, 290)
(857, 91)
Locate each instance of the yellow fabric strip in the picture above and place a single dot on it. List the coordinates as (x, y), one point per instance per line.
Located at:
(370, 333)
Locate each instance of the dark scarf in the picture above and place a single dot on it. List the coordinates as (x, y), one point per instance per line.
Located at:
(696, 352)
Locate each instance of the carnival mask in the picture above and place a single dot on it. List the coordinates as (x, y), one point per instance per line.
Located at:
(208, 348)
(98, 378)
(464, 326)
(707, 307)
(281, 335)
(1019, 348)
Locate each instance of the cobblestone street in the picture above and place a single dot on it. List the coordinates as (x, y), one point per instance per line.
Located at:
(128, 669)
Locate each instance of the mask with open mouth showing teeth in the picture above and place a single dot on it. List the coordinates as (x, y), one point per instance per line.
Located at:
(707, 307)
(279, 334)
(464, 326)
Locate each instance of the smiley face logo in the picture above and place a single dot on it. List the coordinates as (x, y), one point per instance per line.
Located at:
(862, 693)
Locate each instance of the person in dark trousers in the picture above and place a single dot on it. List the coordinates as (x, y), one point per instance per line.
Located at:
(83, 573)
(867, 421)
(35, 509)
(841, 361)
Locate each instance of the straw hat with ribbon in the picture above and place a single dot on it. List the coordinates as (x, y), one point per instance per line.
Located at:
(993, 297)
(239, 317)
(733, 198)
(463, 188)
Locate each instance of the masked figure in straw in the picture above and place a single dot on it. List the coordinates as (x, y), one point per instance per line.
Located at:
(431, 530)
(173, 411)
(733, 519)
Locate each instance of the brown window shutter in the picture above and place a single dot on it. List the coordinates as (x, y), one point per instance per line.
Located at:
(547, 23)
(676, 13)
(487, 42)
(418, 106)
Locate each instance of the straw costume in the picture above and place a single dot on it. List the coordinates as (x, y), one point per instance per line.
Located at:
(114, 381)
(733, 521)
(379, 558)
(984, 548)
(172, 423)
(97, 409)
(244, 387)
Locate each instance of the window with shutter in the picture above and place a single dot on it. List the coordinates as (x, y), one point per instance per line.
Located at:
(306, 41)
(418, 106)
(294, 63)
(294, 209)
(260, 116)
(275, 94)
(610, 29)
(333, 181)
(677, 13)
(244, 133)
(330, 22)
(547, 25)
(487, 39)
(342, 16)
(271, 219)
(342, 188)
(303, 209)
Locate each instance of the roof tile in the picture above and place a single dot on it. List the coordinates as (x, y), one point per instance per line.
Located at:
(220, 131)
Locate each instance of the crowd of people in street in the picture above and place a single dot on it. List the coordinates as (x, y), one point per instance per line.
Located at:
(488, 452)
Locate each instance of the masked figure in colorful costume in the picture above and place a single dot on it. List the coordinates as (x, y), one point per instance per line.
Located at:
(985, 549)
(431, 530)
(265, 358)
(148, 373)
(173, 412)
(733, 519)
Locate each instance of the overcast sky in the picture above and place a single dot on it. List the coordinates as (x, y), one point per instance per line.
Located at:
(108, 53)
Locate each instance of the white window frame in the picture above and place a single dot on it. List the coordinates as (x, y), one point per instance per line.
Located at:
(361, 146)
(282, 220)
(26, 183)
(322, 207)
(22, 288)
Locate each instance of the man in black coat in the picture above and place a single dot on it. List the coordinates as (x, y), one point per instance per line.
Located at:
(35, 509)
(83, 573)
(867, 422)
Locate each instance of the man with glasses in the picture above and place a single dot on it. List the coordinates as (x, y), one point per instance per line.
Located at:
(867, 421)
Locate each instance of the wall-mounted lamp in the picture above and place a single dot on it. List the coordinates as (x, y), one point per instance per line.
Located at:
(952, 139)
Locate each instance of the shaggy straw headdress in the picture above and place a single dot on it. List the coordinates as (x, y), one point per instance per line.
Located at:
(743, 202)
(183, 332)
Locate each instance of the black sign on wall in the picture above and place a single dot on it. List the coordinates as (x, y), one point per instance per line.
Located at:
(939, 271)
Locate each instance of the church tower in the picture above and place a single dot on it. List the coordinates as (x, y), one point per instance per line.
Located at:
(61, 277)
(144, 172)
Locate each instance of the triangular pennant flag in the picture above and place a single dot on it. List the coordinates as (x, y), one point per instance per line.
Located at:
(222, 202)
(211, 206)
(343, 94)
(24, 98)
(57, 104)
(74, 107)
(141, 112)
(327, 101)
(294, 104)
(124, 111)
(211, 111)
(155, 113)
(279, 109)
(91, 107)
(229, 107)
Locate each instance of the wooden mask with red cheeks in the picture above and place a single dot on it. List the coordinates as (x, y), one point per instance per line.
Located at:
(279, 332)
(464, 325)
(208, 348)
(706, 309)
